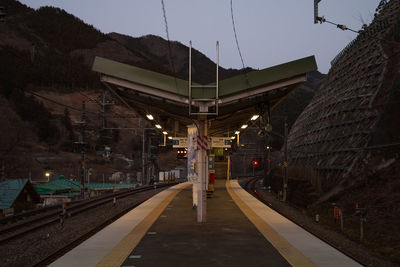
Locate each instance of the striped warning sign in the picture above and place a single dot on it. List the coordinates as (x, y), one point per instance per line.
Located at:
(203, 142)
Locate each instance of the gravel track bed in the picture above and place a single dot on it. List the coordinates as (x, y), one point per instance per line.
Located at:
(32, 248)
(355, 250)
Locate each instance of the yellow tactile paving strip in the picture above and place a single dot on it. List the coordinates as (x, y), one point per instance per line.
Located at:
(289, 252)
(118, 255)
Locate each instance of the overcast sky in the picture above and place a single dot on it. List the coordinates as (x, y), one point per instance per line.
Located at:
(270, 32)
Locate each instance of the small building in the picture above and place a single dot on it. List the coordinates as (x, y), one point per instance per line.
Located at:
(17, 195)
(58, 191)
(63, 190)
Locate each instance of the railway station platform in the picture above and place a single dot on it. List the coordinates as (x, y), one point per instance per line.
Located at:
(240, 231)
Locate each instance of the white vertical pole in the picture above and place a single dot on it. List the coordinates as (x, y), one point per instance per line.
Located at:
(201, 190)
(190, 77)
(192, 175)
(217, 81)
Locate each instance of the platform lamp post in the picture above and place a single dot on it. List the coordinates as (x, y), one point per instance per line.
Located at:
(47, 174)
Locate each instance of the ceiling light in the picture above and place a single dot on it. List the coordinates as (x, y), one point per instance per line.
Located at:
(254, 117)
(233, 137)
(165, 132)
(150, 117)
(244, 126)
(237, 132)
(170, 137)
(158, 126)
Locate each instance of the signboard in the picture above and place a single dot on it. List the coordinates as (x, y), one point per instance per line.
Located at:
(182, 142)
(221, 142)
(211, 163)
(179, 142)
(193, 176)
(203, 142)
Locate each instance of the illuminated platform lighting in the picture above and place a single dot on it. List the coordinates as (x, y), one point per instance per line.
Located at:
(254, 117)
(244, 126)
(165, 133)
(233, 137)
(158, 126)
(150, 117)
(237, 132)
(170, 137)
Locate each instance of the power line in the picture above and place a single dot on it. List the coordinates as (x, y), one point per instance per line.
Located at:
(340, 26)
(237, 45)
(234, 31)
(171, 62)
(55, 102)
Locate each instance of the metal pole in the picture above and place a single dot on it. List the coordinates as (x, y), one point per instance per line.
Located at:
(217, 82)
(361, 228)
(149, 155)
(201, 190)
(88, 180)
(83, 118)
(341, 218)
(3, 170)
(103, 109)
(285, 168)
(143, 161)
(190, 77)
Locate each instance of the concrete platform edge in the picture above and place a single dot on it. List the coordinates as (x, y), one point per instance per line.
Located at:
(289, 252)
(118, 255)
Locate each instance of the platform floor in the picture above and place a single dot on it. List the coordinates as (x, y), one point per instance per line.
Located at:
(240, 231)
(228, 238)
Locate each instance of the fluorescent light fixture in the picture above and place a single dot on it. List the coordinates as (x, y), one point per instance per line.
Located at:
(244, 126)
(237, 132)
(165, 132)
(150, 117)
(233, 137)
(254, 117)
(170, 137)
(158, 126)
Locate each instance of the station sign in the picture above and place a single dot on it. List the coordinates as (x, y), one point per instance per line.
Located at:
(221, 142)
(182, 142)
(179, 142)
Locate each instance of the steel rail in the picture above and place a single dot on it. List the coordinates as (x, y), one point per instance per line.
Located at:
(249, 186)
(26, 226)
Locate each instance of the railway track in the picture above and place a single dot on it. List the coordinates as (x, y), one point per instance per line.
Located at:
(250, 186)
(21, 224)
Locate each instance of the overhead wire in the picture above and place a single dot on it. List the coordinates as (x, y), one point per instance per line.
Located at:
(237, 45)
(55, 102)
(171, 61)
(236, 39)
(118, 116)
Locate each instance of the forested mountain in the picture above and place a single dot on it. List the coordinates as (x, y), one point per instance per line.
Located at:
(46, 57)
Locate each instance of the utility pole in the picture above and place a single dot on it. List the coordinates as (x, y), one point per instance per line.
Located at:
(82, 143)
(103, 105)
(3, 170)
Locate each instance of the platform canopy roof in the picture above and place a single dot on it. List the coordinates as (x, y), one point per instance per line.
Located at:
(167, 97)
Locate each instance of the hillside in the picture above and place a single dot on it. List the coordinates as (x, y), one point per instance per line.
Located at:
(344, 146)
(45, 75)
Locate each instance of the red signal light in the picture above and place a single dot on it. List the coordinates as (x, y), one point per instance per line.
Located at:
(255, 163)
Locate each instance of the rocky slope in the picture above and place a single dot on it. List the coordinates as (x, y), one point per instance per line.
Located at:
(45, 75)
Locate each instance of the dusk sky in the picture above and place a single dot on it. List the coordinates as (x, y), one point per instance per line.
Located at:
(269, 32)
